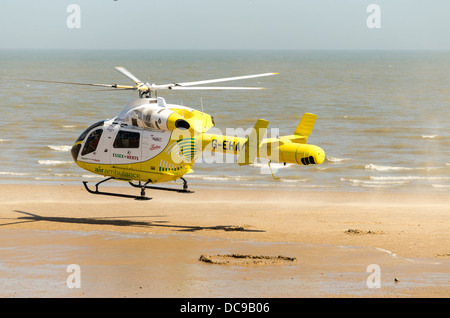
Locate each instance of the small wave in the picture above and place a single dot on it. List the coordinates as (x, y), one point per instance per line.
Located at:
(60, 148)
(274, 165)
(335, 159)
(409, 178)
(72, 175)
(441, 186)
(4, 140)
(390, 168)
(66, 175)
(387, 251)
(89, 176)
(385, 168)
(375, 183)
(377, 186)
(69, 126)
(193, 176)
(8, 173)
(293, 180)
(429, 136)
(217, 178)
(53, 162)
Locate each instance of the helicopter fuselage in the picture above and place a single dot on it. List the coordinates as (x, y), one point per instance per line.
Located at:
(140, 143)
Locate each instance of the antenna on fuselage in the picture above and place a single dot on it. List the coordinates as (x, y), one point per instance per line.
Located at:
(203, 113)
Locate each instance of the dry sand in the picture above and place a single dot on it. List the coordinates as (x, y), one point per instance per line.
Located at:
(128, 248)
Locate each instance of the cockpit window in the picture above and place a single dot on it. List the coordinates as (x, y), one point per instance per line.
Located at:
(127, 139)
(92, 142)
(84, 134)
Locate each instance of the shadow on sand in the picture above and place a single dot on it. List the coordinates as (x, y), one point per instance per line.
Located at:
(32, 217)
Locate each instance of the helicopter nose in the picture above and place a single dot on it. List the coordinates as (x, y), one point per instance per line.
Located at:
(75, 150)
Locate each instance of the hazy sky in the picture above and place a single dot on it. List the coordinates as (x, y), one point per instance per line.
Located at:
(225, 24)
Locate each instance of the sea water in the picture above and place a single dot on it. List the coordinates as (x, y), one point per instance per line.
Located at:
(383, 116)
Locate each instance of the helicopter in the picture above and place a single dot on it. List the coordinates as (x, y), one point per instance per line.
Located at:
(151, 141)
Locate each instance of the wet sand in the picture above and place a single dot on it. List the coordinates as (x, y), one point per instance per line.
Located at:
(128, 248)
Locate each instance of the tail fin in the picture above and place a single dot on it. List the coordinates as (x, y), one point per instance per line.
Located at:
(253, 143)
(306, 124)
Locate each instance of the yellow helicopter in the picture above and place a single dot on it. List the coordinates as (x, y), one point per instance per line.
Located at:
(151, 141)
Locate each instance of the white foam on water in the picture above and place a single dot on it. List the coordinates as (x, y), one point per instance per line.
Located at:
(274, 165)
(441, 186)
(53, 162)
(336, 159)
(374, 182)
(293, 180)
(409, 178)
(62, 148)
(385, 168)
(211, 178)
(8, 173)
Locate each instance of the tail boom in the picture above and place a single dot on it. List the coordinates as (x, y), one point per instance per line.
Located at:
(286, 149)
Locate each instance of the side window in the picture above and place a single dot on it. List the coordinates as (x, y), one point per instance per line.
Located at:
(127, 139)
(92, 142)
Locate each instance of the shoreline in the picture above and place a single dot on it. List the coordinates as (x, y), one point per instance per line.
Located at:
(227, 184)
(404, 232)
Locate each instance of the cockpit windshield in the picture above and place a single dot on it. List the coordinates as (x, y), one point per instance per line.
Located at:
(92, 142)
(84, 134)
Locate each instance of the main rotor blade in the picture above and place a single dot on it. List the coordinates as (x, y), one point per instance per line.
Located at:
(224, 79)
(71, 83)
(112, 89)
(181, 88)
(128, 74)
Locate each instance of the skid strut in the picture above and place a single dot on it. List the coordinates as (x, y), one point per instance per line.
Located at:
(141, 197)
(184, 190)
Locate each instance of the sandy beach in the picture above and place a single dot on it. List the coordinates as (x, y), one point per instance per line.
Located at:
(128, 248)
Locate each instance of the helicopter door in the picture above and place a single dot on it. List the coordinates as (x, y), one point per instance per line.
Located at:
(154, 142)
(95, 148)
(126, 149)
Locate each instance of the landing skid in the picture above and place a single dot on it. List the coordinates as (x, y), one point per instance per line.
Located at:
(184, 190)
(142, 187)
(141, 197)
